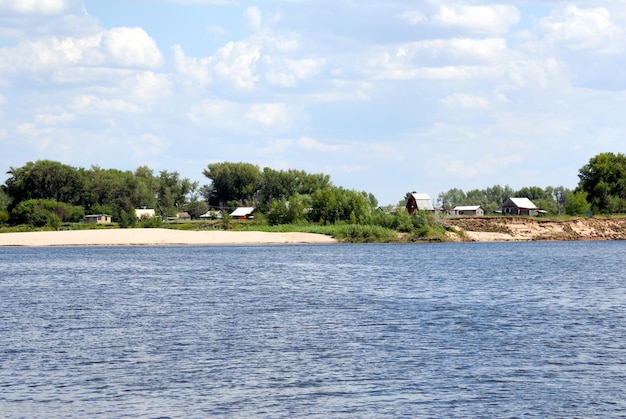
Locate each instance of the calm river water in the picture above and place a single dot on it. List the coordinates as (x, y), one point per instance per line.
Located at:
(433, 330)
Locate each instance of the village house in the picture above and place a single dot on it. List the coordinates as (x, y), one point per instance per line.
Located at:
(475, 210)
(519, 206)
(419, 202)
(242, 213)
(98, 219)
(184, 216)
(212, 215)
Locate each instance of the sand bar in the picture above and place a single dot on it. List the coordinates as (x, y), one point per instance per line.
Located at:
(156, 236)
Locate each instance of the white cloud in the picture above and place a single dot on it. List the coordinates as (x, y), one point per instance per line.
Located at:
(55, 119)
(148, 86)
(91, 104)
(125, 47)
(221, 115)
(494, 18)
(190, 71)
(293, 70)
(273, 115)
(236, 63)
(583, 29)
(132, 47)
(34, 7)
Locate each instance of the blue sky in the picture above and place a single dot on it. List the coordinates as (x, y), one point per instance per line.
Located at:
(384, 96)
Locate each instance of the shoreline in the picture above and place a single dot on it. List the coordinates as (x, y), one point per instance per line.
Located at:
(156, 237)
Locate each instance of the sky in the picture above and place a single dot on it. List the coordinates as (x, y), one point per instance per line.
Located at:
(387, 96)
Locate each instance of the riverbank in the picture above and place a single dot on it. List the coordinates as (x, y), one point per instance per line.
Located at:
(489, 229)
(157, 236)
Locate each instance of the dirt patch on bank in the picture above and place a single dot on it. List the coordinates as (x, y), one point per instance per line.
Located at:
(529, 229)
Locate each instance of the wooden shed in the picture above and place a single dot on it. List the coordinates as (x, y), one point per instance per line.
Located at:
(98, 219)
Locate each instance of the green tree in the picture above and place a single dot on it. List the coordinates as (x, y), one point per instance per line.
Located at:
(559, 194)
(333, 204)
(452, 198)
(41, 212)
(604, 181)
(44, 179)
(172, 192)
(576, 203)
(232, 182)
(285, 211)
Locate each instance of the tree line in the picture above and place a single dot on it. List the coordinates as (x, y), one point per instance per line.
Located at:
(46, 192)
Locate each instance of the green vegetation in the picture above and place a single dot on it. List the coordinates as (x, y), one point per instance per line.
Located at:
(51, 195)
(603, 180)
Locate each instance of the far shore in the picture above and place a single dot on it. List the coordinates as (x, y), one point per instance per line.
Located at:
(156, 237)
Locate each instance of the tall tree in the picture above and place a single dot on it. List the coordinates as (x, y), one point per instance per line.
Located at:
(237, 182)
(44, 179)
(604, 181)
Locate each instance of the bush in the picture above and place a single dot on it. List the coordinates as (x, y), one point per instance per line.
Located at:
(151, 222)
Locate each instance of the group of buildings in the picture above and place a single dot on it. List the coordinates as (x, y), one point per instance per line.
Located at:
(512, 206)
(143, 213)
(415, 202)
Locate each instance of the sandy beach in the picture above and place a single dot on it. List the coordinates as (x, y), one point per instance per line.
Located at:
(156, 236)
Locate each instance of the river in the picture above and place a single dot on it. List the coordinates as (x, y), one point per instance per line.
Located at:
(379, 330)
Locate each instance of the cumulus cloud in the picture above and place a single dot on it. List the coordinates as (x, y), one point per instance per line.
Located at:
(119, 47)
(132, 47)
(493, 18)
(55, 119)
(583, 29)
(236, 63)
(34, 7)
(291, 71)
(221, 115)
(91, 104)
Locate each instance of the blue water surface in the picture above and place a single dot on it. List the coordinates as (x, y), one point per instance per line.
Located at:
(432, 330)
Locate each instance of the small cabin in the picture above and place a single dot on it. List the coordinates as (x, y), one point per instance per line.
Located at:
(475, 210)
(419, 202)
(243, 213)
(184, 216)
(519, 206)
(98, 219)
